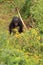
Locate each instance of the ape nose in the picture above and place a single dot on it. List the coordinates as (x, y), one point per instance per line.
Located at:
(16, 24)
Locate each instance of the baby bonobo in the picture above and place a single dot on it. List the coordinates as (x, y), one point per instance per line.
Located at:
(16, 22)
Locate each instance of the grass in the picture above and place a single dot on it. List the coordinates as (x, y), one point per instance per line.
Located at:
(18, 49)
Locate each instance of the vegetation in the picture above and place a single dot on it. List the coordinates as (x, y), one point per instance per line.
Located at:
(36, 11)
(25, 48)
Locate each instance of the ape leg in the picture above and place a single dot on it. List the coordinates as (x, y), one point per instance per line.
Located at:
(10, 30)
(11, 27)
(20, 29)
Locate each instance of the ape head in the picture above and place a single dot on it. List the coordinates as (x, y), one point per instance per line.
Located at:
(16, 22)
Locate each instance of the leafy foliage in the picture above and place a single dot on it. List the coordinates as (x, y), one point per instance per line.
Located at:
(36, 11)
(25, 10)
(19, 49)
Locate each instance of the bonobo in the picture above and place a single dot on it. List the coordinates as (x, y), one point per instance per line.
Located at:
(15, 23)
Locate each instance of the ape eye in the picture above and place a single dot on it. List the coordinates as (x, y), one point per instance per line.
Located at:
(16, 19)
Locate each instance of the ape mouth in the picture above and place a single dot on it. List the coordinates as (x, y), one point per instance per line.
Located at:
(16, 25)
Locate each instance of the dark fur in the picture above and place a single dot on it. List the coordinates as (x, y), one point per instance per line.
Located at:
(12, 25)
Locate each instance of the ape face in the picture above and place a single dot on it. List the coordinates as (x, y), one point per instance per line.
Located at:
(15, 23)
(16, 20)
